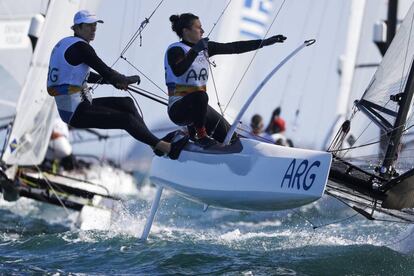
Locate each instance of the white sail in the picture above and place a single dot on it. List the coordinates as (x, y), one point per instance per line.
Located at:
(243, 20)
(348, 62)
(32, 127)
(391, 76)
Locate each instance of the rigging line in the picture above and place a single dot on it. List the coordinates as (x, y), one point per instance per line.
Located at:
(368, 143)
(210, 64)
(53, 190)
(140, 29)
(219, 18)
(309, 67)
(304, 218)
(251, 61)
(217, 98)
(336, 221)
(88, 182)
(137, 104)
(382, 135)
(137, 34)
(123, 33)
(356, 147)
(320, 111)
(314, 226)
(302, 34)
(216, 92)
(359, 136)
(312, 233)
(402, 72)
(406, 54)
(142, 73)
(254, 56)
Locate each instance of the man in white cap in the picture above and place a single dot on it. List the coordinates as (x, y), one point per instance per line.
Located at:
(69, 70)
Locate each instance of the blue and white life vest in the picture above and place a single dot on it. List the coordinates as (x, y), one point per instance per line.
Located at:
(194, 79)
(65, 81)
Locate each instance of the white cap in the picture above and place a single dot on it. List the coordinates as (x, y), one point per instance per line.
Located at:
(85, 16)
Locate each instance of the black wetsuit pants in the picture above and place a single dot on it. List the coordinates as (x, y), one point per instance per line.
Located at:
(193, 110)
(113, 113)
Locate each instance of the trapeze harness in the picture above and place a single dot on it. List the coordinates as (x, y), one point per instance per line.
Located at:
(69, 70)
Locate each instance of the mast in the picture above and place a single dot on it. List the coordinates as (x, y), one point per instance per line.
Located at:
(404, 100)
(387, 170)
(391, 24)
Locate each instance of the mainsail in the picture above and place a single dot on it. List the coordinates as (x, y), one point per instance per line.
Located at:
(385, 184)
(391, 77)
(35, 110)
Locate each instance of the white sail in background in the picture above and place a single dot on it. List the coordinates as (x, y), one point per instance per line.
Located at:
(348, 63)
(243, 20)
(15, 47)
(391, 76)
(15, 51)
(32, 127)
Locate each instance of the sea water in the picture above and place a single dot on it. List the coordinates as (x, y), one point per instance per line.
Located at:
(324, 238)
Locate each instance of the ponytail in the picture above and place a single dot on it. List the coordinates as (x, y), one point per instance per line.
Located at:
(179, 22)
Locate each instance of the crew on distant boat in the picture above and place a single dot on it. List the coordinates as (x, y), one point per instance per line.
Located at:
(69, 70)
(186, 66)
(59, 151)
(257, 125)
(276, 123)
(276, 129)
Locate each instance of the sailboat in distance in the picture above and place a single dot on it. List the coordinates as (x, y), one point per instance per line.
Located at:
(384, 183)
(28, 140)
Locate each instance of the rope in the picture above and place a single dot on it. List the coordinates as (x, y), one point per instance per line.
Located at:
(309, 69)
(212, 64)
(219, 18)
(53, 190)
(139, 30)
(246, 70)
(287, 83)
(321, 111)
(254, 56)
(137, 34)
(142, 73)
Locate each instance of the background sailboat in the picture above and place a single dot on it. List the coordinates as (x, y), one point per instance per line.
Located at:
(32, 126)
(15, 53)
(383, 184)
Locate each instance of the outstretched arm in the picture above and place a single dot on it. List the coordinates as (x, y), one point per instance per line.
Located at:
(238, 47)
(81, 52)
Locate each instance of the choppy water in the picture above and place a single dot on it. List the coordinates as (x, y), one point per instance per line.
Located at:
(37, 238)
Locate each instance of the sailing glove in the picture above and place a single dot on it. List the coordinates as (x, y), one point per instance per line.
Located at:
(121, 82)
(201, 45)
(133, 79)
(274, 39)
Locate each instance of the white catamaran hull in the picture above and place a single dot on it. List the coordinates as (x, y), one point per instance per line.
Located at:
(256, 177)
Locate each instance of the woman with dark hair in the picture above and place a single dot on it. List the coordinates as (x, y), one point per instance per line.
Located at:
(276, 123)
(186, 72)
